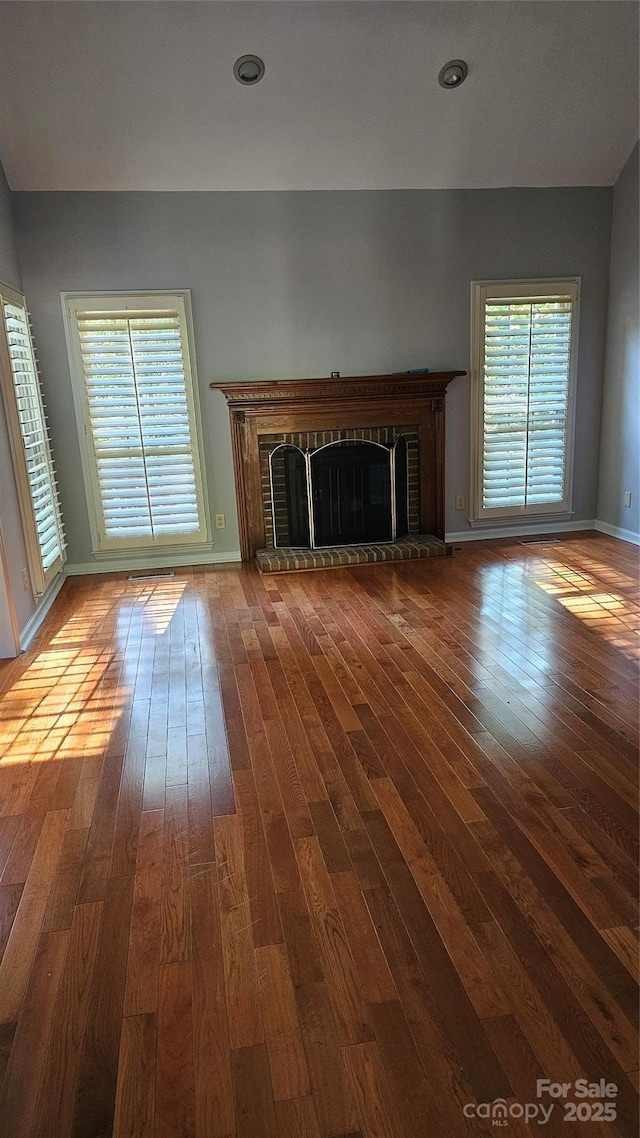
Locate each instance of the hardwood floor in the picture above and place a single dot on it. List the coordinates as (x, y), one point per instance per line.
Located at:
(343, 853)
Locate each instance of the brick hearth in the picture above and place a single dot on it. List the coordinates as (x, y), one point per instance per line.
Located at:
(333, 557)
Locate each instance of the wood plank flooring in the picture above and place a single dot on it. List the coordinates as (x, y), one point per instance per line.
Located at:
(347, 853)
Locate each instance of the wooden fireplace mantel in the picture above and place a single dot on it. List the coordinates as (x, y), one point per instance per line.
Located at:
(411, 399)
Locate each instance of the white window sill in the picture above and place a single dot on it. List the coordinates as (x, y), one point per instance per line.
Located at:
(148, 553)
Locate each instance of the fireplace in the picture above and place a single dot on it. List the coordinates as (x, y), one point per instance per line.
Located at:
(346, 492)
(349, 463)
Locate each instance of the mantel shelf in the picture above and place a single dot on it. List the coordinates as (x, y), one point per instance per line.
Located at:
(277, 392)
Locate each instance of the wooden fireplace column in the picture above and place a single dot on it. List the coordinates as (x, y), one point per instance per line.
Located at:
(282, 407)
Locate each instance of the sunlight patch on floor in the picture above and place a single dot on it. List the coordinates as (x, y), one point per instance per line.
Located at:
(63, 706)
(605, 610)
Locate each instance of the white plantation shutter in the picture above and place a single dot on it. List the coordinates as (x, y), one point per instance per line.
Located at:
(35, 473)
(139, 404)
(525, 374)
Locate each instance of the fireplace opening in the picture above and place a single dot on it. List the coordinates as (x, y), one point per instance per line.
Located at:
(349, 492)
(297, 501)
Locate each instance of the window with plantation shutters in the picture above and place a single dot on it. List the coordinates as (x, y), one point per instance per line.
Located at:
(31, 449)
(523, 378)
(138, 416)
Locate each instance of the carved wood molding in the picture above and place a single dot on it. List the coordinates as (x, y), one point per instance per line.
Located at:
(317, 404)
(347, 387)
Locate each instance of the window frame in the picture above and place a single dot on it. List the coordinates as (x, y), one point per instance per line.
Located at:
(481, 292)
(39, 576)
(178, 300)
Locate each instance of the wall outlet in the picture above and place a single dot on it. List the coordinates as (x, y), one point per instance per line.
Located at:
(626, 498)
(459, 501)
(26, 583)
(220, 522)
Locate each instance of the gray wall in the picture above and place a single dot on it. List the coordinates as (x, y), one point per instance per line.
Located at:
(620, 438)
(9, 267)
(294, 284)
(15, 553)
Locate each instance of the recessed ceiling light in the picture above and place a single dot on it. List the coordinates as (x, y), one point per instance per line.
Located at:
(453, 73)
(248, 70)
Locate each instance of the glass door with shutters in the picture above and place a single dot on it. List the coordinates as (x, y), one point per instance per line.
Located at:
(31, 448)
(523, 382)
(139, 420)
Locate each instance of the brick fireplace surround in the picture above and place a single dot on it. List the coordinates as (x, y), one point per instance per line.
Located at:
(312, 412)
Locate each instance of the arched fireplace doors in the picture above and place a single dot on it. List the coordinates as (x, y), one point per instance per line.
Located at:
(343, 493)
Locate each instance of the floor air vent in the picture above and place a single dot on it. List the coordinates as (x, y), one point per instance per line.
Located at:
(151, 576)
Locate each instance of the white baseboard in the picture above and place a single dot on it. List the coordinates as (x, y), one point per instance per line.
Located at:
(517, 531)
(140, 564)
(617, 531)
(37, 617)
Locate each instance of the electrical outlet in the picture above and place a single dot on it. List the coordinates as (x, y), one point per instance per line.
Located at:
(626, 500)
(459, 501)
(26, 583)
(220, 522)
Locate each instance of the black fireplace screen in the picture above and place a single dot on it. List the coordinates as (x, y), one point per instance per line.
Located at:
(345, 493)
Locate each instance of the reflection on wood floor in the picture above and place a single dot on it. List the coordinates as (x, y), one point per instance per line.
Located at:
(336, 853)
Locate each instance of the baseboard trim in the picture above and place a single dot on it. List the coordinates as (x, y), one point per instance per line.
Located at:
(517, 531)
(617, 531)
(129, 565)
(36, 619)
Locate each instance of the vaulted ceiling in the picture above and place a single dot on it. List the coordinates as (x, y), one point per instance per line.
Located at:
(139, 94)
